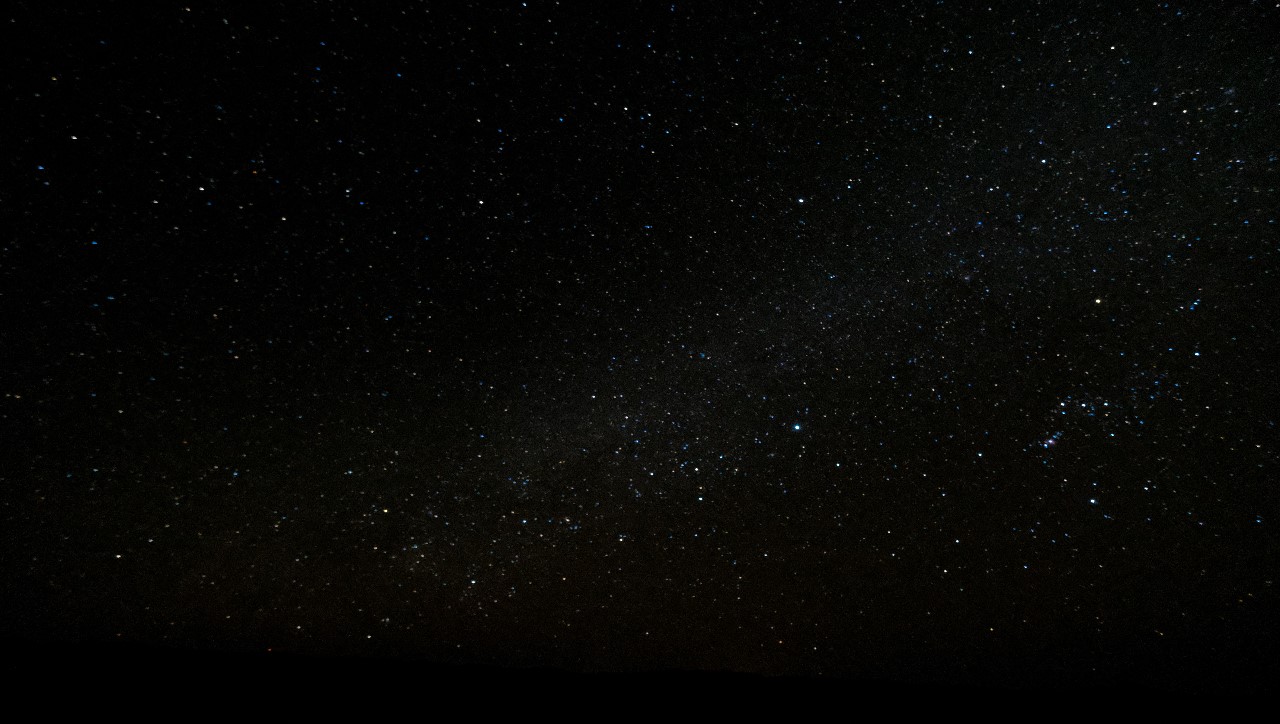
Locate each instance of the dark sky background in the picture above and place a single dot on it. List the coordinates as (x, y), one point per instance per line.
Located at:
(922, 341)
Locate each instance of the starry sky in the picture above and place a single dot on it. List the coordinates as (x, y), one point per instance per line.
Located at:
(910, 341)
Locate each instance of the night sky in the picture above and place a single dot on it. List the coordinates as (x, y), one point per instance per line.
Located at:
(907, 342)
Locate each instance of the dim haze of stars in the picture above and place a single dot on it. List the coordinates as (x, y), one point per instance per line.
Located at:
(908, 342)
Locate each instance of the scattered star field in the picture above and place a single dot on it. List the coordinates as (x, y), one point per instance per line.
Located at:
(911, 341)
